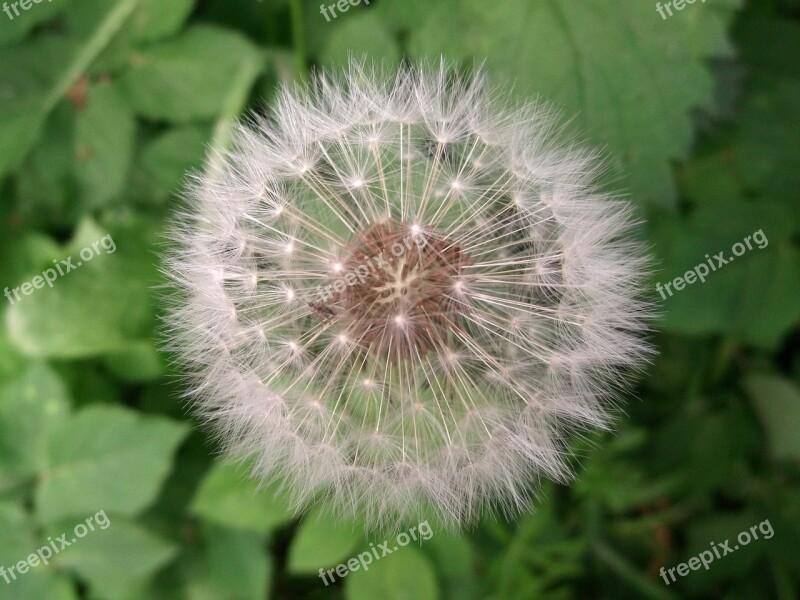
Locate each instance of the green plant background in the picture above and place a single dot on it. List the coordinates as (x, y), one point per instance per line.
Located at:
(105, 105)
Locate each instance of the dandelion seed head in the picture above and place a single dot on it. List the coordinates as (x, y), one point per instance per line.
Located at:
(401, 294)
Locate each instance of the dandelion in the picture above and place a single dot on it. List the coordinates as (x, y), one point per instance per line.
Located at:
(399, 295)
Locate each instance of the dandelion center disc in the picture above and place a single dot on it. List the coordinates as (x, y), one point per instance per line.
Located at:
(398, 290)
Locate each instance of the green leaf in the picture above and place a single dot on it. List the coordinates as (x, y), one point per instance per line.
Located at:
(718, 528)
(237, 566)
(455, 561)
(681, 448)
(188, 77)
(31, 72)
(745, 297)
(20, 126)
(541, 554)
(138, 363)
(106, 458)
(405, 575)
(31, 407)
(41, 73)
(616, 67)
(112, 292)
(104, 136)
(361, 35)
(19, 542)
(22, 253)
(402, 16)
(25, 255)
(321, 542)
(777, 401)
(712, 179)
(767, 147)
(11, 361)
(115, 560)
(46, 181)
(166, 160)
(155, 19)
(17, 27)
(151, 21)
(228, 497)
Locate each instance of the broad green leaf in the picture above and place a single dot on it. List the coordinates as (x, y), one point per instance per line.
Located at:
(15, 27)
(25, 255)
(31, 406)
(767, 148)
(233, 104)
(151, 21)
(39, 75)
(237, 566)
(716, 528)
(402, 16)
(96, 307)
(46, 180)
(166, 160)
(11, 361)
(763, 315)
(681, 449)
(322, 542)
(155, 19)
(18, 542)
(746, 296)
(139, 362)
(361, 35)
(219, 564)
(455, 562)
(406, 574)
(20, 125)
(777, 401)
(116, 560)
(84, 16)
(104, 136)
(629, 78)
(106, 458)
(30, 72)
(317, 29)
(712, 179)
(227, 496)
(188, 77)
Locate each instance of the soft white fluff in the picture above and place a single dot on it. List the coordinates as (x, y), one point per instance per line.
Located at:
(551, 316)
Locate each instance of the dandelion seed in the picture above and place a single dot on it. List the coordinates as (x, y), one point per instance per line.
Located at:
(427, 342)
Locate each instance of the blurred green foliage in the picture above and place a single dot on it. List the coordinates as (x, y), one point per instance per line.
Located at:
(105, 105)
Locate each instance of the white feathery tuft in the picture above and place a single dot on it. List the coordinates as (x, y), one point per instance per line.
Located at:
(444, 379)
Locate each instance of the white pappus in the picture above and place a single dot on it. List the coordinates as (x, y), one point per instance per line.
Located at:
(400, 293)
